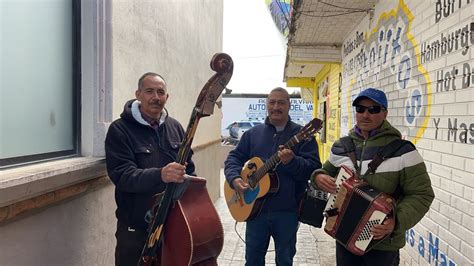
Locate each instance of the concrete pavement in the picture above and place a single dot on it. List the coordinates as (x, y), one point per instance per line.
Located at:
(313, 247)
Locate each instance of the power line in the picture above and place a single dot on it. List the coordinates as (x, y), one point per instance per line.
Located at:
(305, 13)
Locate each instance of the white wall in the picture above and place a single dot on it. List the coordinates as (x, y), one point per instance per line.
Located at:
(174, 38)
(431, 101)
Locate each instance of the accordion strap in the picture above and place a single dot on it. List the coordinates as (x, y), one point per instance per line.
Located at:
(349, 148)
(383, 153)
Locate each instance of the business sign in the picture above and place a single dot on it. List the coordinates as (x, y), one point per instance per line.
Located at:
(255, 109)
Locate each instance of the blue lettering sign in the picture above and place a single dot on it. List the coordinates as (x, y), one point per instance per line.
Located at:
(412, 237)
(421, 247)
(443, 259)
(433, 248)
(257, 107)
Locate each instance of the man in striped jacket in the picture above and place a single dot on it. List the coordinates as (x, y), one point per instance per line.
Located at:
(404, 172)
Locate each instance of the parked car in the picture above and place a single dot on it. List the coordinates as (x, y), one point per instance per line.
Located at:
(241, 127)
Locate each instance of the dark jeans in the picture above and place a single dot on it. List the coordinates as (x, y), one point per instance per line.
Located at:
(282, 226)
(371, 258)
(129, 245)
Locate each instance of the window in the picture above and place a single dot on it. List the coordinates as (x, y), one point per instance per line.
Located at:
(40, 80)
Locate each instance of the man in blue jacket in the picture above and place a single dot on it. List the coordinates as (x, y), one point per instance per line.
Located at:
(278, 217)
(140, 149)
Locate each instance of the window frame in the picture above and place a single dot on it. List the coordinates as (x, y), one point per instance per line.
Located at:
(76, 102)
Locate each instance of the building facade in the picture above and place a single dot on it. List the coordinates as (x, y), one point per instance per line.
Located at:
(67, 69)
(420, 53)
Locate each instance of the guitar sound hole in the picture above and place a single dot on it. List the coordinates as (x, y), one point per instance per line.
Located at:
(252, 166)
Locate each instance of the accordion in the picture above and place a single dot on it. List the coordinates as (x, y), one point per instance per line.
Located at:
(354, 210)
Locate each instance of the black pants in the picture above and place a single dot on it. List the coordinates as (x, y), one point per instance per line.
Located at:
(130, 244)
(371, 258)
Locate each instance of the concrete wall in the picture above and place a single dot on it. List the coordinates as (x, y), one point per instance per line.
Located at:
(74, 225)
(420, 53)
(174, 38)
(79, 231)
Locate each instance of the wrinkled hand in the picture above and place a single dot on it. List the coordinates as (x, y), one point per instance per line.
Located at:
(326, 183)
(239, 184)
(381, 230)
(286, 155)
(173, 172)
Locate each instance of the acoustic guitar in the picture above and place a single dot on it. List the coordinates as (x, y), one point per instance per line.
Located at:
(261, 179)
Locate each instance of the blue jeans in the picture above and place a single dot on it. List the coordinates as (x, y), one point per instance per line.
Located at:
(282, 226)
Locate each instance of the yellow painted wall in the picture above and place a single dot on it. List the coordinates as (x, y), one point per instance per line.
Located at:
(328, 77)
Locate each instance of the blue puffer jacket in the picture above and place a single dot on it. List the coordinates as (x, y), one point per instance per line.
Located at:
(263, 141)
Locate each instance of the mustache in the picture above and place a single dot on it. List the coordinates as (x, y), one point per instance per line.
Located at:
(276, 111)
(155, 103)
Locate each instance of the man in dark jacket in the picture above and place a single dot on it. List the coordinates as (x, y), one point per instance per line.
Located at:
(278, 217)
(404, 173)
(141, 147)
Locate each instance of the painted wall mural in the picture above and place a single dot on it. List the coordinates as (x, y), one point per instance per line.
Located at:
(421, 54)
(280, 11)
(390, 52)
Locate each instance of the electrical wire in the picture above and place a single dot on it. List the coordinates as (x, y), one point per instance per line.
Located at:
(283, 12)
(347, 11)
(343, 7)
(305, 13)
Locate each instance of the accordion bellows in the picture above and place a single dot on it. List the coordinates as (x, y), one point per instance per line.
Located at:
(356, 208)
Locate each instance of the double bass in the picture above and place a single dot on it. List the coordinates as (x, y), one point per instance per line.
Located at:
(185, 228)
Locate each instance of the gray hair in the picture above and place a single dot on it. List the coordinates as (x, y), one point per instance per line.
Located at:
(280, 89)
(140, 80)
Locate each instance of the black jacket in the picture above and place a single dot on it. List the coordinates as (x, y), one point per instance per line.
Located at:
(135, 154)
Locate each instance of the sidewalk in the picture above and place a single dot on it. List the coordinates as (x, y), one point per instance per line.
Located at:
(313, 247)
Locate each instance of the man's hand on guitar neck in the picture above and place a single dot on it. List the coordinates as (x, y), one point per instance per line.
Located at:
(239, 184)
(286, 155)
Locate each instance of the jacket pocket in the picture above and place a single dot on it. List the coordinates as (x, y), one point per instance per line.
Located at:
(175, 145)
(143, 149)
(143, 155)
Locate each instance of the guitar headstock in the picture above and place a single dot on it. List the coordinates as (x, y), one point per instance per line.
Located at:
(224, 66)
(310, 129)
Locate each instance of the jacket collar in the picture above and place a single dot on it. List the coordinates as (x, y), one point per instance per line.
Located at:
(138, 116)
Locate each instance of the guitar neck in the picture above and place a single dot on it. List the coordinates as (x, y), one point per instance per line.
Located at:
(274, 160)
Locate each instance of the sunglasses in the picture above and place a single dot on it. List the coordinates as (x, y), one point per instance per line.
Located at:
(372, 109)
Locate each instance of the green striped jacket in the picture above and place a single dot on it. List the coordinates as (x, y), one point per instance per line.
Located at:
(405, 169)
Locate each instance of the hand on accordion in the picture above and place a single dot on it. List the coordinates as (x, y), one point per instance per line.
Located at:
(326, 183)
(379, 231)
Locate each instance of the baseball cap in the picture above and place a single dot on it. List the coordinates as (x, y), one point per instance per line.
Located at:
(375, 95)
